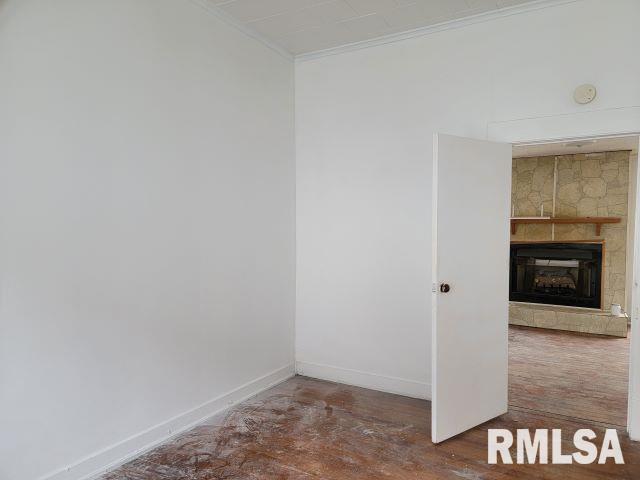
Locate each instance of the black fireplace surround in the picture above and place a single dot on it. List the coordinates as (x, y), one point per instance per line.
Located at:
(556, 273)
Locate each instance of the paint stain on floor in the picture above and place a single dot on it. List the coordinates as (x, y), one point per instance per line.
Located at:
(311, 429)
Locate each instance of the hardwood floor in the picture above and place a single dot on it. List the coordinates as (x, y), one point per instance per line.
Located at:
(571, 374)
(311, 429)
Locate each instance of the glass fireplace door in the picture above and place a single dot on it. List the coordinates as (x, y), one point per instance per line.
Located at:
(557, 273)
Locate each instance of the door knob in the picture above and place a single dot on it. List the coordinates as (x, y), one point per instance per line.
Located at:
(444, 287)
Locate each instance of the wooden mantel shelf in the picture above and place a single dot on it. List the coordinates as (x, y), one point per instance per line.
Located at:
(597, 221)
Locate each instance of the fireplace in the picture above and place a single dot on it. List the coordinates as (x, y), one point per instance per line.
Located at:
(557, 273)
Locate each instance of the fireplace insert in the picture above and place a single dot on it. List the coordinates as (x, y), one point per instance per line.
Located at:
(557, 273)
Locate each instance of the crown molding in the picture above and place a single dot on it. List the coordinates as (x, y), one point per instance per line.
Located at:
(229, 20)
(430, 29)
(385, 39)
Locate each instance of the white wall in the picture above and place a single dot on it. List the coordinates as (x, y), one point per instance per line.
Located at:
(147, 219)
(364, 123)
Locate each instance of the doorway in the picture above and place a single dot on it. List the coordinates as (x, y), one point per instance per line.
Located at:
(571, 270)
(469, 347)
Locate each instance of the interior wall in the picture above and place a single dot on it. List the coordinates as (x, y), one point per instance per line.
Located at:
(364, 125)
(147, 193)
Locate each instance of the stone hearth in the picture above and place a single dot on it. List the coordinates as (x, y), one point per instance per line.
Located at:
(567, 318)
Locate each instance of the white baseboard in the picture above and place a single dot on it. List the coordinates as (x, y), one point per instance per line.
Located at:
(373, 381)
(125, 450)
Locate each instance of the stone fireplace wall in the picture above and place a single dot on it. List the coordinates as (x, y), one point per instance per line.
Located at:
(595, 184)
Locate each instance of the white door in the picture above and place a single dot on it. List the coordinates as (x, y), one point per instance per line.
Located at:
(471, 235)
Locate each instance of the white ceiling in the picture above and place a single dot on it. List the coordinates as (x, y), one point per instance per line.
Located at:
(304, 26)
(611, 144)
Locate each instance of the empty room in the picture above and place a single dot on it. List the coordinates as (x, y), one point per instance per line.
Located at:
(319, 239)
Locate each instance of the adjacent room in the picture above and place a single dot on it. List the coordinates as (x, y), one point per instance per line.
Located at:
(319, 239)
(571, 262)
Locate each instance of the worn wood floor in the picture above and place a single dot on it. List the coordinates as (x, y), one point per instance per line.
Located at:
(310, 429)
(566, 373)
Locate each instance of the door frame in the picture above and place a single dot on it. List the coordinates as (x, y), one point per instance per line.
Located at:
(583, 125)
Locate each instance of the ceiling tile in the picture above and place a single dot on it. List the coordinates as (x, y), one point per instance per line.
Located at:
(279, 25)
(309, 40)
(366, 7)
(409, 17)
(477, 6)
(482, 4)
(510, 3)
(285, 23)
(423, 13)
(332, 35)
(250, 10)
(365, 27)
(440, 7)
(335, 11)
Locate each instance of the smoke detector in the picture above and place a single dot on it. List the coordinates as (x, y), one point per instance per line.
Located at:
(584, 94)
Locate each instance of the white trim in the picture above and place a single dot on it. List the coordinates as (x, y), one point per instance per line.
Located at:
(119, 453)
(229, 20)
(434, 279)
(633, 401)
(430, 29)
(608, 122)
(373, 381)
(586, 125)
